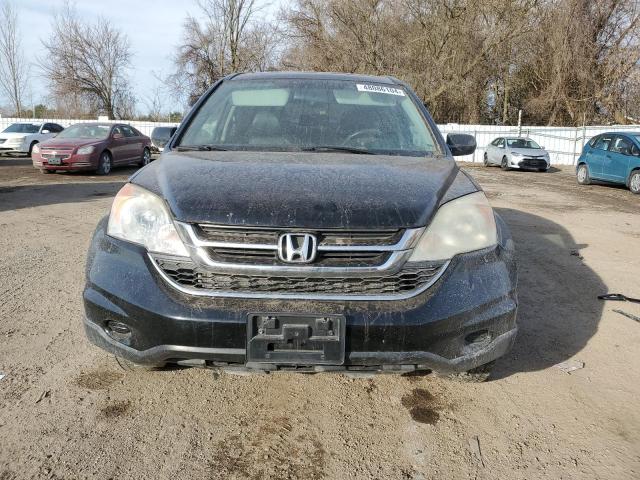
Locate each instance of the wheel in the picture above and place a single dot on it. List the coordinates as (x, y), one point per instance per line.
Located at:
(583, 175)
(46, 172)
(146, 157)
(475, 375)
(31, 148)
(634, 182)
(104, 164)
(505, 164)
(485, 160)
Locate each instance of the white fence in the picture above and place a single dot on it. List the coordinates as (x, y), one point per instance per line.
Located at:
(144, 127)
(564, 144)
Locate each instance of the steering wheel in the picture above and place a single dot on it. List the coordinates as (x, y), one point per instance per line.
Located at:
(367, 132)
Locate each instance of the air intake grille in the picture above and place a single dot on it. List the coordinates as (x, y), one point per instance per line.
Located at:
(187, 274)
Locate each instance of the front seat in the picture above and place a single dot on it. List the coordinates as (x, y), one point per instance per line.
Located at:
(265, 129)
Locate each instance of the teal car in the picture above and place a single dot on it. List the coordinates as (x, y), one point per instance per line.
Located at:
(611, 157)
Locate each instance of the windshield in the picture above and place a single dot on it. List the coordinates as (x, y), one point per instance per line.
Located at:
(521, 143)
(22, 128)
(97, 132)
(292, 115)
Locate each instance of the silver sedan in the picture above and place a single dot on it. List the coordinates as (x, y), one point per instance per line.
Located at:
(516, 152)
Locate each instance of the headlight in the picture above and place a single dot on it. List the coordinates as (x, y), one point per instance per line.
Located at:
(139, 216)
(461, 225)
(35, 149)
(516, 154)
(86, 150)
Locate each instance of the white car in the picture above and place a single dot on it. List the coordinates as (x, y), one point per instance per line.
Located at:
(516, 152)
(21, 137)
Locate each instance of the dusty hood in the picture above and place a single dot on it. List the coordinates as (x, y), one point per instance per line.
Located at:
(69, 142)
(307, 190)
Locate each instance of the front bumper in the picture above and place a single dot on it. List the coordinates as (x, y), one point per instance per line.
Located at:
(74, 163)
(529, 163)
(466, 319)
(11, 148)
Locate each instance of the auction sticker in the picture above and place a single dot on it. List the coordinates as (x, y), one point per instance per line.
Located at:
(380, 89)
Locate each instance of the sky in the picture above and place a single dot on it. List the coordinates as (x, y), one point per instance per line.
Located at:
(154, 28)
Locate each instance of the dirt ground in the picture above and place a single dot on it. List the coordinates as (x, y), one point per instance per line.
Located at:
(68, 411)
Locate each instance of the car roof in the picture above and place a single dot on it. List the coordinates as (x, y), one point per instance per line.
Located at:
(315, 76)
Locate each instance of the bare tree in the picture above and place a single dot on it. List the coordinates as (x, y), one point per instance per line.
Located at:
(481, 61)
(89, 60)
(13, 67)
(224, 37)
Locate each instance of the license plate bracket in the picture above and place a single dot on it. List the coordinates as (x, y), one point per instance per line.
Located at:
(54, 161)
(296, 339)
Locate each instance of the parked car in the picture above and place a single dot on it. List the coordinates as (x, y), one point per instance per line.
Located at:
(160, 136)
(307, 222)
(93, 146)
(22, 137)
(516, 152)
(611, 157)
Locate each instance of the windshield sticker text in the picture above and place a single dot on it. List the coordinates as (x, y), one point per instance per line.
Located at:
(380, 89)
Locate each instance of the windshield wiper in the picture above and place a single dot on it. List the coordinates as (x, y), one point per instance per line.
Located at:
(200, 148)
(333, 148)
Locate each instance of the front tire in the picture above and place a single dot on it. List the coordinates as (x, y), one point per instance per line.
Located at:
(31, 148)
(104, 164)
(634, 182)
(504, 164)
(146, 158)
(582, 175)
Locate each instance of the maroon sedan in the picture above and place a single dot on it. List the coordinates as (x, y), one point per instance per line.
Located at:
(93, 146)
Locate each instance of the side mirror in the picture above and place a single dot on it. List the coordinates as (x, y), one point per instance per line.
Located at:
(117, 136)
(45, 131)
(461, 144)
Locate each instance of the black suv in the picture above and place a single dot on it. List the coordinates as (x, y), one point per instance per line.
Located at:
(308, 222)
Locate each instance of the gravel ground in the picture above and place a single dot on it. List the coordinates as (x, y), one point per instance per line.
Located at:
(68, 411)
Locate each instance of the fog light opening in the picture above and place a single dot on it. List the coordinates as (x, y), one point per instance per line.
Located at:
(479, 337)
(118, 328)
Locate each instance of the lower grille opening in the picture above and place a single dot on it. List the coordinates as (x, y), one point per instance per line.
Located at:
(412, 278)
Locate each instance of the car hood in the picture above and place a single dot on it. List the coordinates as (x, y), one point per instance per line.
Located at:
(305, 190)
(530, 152)
(69, 142)
(7, 136)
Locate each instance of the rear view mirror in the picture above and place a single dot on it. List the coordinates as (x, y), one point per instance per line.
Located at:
(461, 144)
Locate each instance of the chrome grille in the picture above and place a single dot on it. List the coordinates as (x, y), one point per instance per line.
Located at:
(191, 278)
(62, 154)
(258, 235)
(258, 246)
(270, 257)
